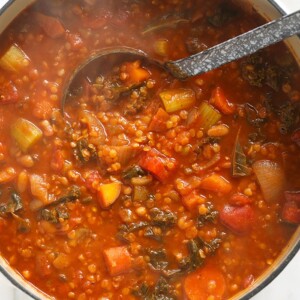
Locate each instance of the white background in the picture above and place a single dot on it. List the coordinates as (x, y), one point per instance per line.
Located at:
(285, 287)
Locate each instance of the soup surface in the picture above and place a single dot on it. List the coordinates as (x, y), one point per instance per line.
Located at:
(144, 186)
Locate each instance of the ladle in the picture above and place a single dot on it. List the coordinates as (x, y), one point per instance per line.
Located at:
(230, 50)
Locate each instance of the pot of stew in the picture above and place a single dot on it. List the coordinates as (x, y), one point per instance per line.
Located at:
(145, 186)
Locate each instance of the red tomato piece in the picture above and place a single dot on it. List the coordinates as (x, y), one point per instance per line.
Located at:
(238, 218)
(155, 162)
(292, 196)
(159, 121)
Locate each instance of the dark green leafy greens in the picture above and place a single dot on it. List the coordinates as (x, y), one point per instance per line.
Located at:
(158, 259)
(288, 117)
(13, 205)
(209, 216)
(161, 291)
(222, 16)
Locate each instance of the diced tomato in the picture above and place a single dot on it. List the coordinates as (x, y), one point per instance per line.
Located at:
(240, 199)
(216, 183)
(75, 40)
(159, 121)
(118, 260)
(92, 180)
(50, 25)
(197, 285)
(291, 212)
(219, 100)
(42, 265)
(57, 160)
(8, 93)
(193, 199)
(155, 162)
(238, 218)
(42, 109)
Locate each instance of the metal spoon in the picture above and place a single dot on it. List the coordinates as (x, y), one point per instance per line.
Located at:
(233, 49)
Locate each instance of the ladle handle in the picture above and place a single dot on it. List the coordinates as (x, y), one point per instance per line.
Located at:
(237, 47)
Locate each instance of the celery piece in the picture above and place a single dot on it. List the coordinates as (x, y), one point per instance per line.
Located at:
(14, 59)
(25, 133)
(208, 116)
(177, 99)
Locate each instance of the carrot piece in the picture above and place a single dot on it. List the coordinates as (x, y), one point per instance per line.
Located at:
(219, 100)
(191, 200)
(109, 193)
(136, 73)
(50, 25)
(216, 183)
(238, 218)
(197, 285)
(118, 260)
(159, 121)
(155, 162)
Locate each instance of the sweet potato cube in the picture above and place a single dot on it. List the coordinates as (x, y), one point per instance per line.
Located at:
(118, 260)
(109, 193)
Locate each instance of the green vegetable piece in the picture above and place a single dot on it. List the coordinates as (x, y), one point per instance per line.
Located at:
(208, 115)
(14, 59)
(177, 99)
(25, 133)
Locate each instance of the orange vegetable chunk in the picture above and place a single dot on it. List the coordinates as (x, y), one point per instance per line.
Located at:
(216, 183)
(197, 286)
(118, 260)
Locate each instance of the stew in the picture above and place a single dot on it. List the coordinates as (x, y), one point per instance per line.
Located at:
(144, 186)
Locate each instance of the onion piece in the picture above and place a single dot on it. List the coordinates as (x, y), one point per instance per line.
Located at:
(271, 178)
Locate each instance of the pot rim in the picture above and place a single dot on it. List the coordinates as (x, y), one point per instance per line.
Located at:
(264, 280)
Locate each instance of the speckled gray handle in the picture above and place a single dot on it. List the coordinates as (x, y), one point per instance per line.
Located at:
(237, 47)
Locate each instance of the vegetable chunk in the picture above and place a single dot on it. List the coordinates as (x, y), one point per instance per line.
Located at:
(118, 260)
(109, 193)
(197, 285)
(216, 183)
(25, 133)
(14, 60)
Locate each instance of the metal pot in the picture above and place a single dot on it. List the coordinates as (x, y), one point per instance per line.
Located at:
(270, 9)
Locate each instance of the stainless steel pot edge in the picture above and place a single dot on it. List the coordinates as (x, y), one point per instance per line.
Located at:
(275, 270)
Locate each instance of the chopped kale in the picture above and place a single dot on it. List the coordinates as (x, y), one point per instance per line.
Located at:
(124, 230)
(161, 291)
(54, 214)
(13, 205)
(84, 151)
(288, 116)
(153, 233)
(73, 193)
(162, 218)
(210, 215)
(222, 16)
(259, 71)
(158, 259)
(133, 171)
(193, 260)
(252, 116)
